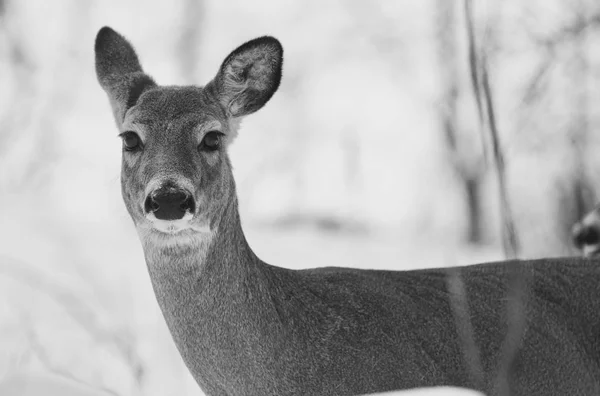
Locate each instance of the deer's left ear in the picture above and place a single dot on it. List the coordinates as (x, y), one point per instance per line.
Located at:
(249, 76)
(119, 72)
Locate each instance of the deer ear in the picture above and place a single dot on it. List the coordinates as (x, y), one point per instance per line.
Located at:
(249, 76)
(119, 72)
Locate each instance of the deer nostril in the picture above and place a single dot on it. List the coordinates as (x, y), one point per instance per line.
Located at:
(150, 205)
(188, 205)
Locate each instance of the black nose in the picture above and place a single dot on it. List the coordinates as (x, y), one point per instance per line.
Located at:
(169, 203)
(585, 235)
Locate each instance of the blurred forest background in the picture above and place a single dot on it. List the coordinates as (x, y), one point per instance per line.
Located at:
(375, 153)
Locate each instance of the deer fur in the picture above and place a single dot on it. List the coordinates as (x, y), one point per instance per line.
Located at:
(244, 327)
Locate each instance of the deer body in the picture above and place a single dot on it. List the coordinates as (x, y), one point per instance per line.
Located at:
(244, 327)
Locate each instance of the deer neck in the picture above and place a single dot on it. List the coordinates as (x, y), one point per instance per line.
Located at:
(203, 265)
(212, 294)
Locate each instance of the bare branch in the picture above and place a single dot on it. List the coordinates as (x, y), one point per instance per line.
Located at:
(485, 106)
(473, 60)
(510, 240)
(570, 32)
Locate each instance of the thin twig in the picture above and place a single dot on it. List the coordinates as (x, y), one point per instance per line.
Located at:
(510, 240)
(570, 32)
(473, 60)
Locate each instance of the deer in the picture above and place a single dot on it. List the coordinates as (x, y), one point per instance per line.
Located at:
(246, 327)
(586, 233)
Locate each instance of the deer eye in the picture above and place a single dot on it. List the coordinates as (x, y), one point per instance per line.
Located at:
(131, 141)
(211, 141)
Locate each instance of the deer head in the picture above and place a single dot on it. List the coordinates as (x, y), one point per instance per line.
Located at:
(176, 177)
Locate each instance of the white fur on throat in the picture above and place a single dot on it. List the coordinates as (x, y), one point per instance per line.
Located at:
(164, 241)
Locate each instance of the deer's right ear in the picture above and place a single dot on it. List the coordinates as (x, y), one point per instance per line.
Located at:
(249, 76)
(119, 72)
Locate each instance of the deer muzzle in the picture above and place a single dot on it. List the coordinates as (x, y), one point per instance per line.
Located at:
(169, 203)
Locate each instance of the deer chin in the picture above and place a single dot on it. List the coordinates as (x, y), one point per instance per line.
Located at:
(160, 237)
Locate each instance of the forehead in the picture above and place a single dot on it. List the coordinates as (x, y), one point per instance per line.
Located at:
(167, 104)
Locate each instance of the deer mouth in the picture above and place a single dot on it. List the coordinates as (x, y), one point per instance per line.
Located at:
(171, 227)
(189, 225)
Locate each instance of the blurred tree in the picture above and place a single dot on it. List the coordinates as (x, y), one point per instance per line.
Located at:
(577, 197)
(19, 80)
(556, 107)
(478, 56)
(466, 159)
(39, 96)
